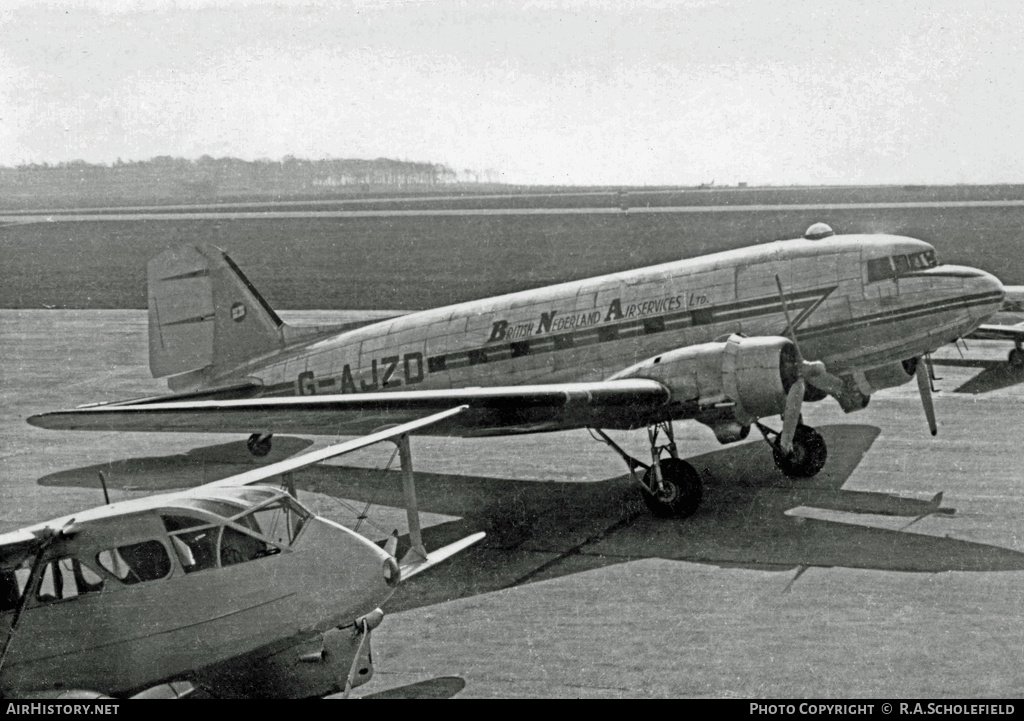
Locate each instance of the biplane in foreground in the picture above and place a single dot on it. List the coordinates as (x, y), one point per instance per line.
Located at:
(233, 587)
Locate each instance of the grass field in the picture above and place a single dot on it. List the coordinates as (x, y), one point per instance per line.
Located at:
(413, 262)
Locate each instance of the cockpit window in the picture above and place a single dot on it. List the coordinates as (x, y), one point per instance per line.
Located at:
(253, 495)
(280, 521)
(920, 261)
(880, 269)
(902, 264)
(67, 578)
(238, 547)
(897, 265)
(174, 522)
(197, 550)
(146, 561)
(220, 508)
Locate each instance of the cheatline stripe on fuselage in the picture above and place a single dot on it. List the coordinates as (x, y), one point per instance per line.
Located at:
(650, 325)
(915, 311)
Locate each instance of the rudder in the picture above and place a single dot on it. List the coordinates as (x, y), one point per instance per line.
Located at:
(204, 313)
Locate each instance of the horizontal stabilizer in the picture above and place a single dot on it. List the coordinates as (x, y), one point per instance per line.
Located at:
(435, 557)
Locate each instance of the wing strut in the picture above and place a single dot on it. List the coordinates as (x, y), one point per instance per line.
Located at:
(417, 559)
(46, 539)
(417, 553)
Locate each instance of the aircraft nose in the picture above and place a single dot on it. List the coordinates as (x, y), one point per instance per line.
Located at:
(990, 291)
(982, 293)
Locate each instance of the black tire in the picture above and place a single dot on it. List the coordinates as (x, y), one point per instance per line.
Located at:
(683, 490)
(1016, 358)
(808, 455)
(258, 446)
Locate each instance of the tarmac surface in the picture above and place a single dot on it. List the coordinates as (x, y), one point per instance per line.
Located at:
(861, 582)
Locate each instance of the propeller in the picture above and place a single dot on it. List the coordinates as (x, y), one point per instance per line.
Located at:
(924, 385)
(812, 372)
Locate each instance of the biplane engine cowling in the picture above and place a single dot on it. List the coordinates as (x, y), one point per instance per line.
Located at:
(734, 382)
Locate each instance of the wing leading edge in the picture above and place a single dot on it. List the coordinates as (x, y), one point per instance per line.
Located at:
(999, 332)
(495, 410)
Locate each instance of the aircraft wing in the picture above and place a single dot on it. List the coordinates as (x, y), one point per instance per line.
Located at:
(18, 546)
(338, 449)
(626, 403)
(998, 332)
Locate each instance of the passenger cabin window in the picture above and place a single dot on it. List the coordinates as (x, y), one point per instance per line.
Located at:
(146, 561)
(67, 578)
(12, 586)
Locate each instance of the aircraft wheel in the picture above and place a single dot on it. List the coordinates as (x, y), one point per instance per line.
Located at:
(807, 457)
(682, 491)
(259, 444)
(1016, 358)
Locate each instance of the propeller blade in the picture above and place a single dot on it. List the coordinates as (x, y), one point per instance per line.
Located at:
(790, 419)
(789, 323)
(924, 385)
(819, 377)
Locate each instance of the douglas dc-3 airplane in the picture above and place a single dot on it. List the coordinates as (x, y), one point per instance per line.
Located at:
(726, 339)
(233, 587)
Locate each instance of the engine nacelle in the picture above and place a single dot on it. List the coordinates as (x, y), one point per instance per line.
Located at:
(860, 385)
(732, 383)
(887, 376)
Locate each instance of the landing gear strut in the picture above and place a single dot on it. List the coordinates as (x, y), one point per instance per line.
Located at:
(670, 487)
(807, 457)
(259, 444)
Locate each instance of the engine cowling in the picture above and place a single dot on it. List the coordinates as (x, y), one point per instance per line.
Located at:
(732, 382)
(860, 385)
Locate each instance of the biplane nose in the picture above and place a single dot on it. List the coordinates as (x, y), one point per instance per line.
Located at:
(356, 574)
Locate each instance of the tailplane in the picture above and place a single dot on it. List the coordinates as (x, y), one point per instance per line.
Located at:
(205, 316)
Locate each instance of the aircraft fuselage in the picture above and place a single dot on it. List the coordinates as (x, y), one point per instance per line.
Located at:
(849, 311)
(189, 605)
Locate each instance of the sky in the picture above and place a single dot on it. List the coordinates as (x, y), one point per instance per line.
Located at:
(591, 93)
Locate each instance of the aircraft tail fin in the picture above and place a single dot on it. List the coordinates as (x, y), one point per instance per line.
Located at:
(204, 312)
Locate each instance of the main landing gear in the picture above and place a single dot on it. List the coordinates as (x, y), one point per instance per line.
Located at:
(259, 444)
(806, 458)
(670, 487)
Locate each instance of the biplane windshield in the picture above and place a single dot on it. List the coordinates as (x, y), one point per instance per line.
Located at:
(260, 521)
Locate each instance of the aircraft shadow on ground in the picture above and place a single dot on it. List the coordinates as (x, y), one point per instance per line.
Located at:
(996, 375)
(441, 687)
(543, 530)
(163, 473)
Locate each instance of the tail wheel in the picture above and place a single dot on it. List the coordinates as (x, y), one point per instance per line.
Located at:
(259, 444)
(807, 457)
(681, 491)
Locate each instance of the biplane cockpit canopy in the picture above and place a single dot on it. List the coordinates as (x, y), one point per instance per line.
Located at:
(210, 527)
(260, 522)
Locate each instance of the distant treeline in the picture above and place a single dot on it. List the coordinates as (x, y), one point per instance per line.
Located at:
(165, 179)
